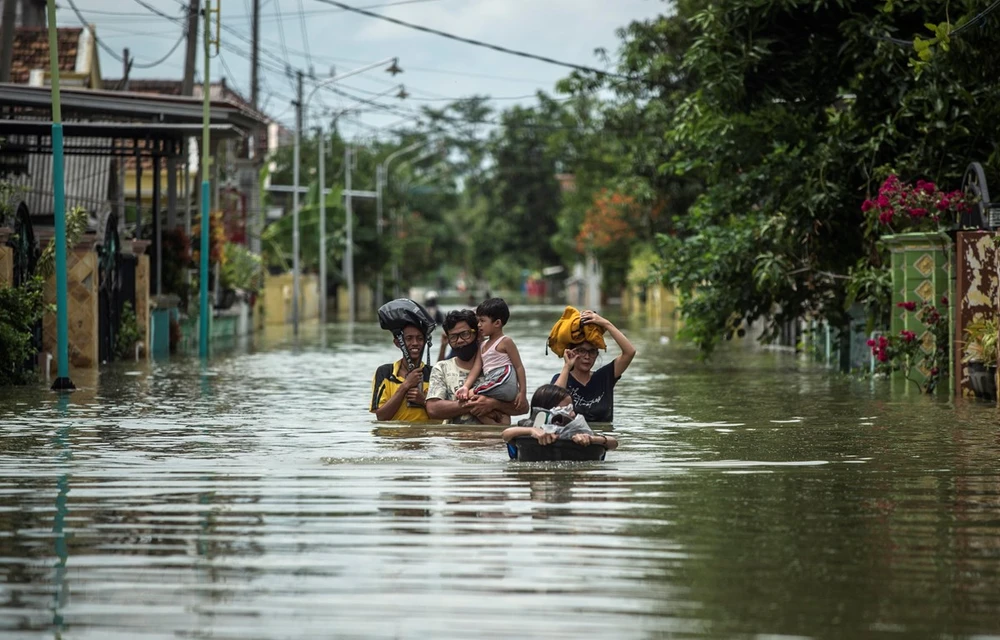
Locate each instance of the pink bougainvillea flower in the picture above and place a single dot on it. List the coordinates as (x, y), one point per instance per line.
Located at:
(917, 212)
(907, 336)
(883, 202)
(867, 206)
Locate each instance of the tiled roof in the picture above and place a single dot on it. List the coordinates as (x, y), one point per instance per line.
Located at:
(31, 51)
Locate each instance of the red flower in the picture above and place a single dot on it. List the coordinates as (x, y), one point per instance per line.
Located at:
(908, 336)
(871, 343)
(944, 300)
(917, 212)
(909, 306)
(883, 202)
(867, 206)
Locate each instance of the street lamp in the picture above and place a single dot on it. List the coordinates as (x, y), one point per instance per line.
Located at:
(322, 204)
(382, 182)
(300, 106)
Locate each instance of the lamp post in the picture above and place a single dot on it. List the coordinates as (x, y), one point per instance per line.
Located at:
(62, 383)
(382, 181)
(322, 206)
(300, 106)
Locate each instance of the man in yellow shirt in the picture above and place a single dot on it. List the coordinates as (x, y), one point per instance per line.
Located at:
(398, 393)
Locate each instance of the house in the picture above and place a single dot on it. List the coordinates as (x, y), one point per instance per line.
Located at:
(79, 64)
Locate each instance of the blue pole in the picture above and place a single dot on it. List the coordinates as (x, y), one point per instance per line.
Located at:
(62, 383)
(203, 273)
(206, 221)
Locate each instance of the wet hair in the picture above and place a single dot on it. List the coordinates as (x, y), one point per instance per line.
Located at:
(467, 316)
(548, 396)
(494, 309)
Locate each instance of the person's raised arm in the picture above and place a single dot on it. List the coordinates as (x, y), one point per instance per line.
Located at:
(628, 351)
(392, 405)
(569, 359)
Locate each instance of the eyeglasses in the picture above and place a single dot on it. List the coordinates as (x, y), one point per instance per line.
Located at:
(466, 335)
(581, 351)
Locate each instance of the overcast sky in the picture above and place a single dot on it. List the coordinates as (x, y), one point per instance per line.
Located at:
(434, 67)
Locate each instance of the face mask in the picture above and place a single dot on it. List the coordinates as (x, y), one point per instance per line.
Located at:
(466, 352)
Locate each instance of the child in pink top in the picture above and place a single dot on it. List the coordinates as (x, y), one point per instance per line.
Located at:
(498, 360)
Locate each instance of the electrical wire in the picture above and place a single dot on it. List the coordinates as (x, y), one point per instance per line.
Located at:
(281, 35)
(305, 37)
(955, 32)
(150, 65)
(111, 52)
(477, 43)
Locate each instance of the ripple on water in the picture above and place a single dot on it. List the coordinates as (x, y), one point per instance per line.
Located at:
(256, 498)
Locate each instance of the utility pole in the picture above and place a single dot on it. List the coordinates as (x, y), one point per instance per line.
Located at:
(255, 57)
(126, 67)
(295, 209)
(322, 227)
(349, 228)
(379, 185)
(206, 218)
(7, 30)
(187, 85)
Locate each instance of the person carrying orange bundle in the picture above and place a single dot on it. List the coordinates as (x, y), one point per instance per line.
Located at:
(577, 337)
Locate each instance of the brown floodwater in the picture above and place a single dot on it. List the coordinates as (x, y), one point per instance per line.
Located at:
(757, 496)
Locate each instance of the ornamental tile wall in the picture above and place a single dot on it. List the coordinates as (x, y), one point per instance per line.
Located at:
(920, 273)
(82, 297)
(142, 301)
(6, 267)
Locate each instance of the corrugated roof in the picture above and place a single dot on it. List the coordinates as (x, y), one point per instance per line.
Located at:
(220, 91)
(31, 51)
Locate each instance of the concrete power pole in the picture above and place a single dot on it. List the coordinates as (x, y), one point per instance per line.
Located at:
(187, 86)
(7, 29)
(255, 57)
(127, 66)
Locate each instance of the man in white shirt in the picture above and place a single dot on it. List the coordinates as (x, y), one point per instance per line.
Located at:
(447, 376)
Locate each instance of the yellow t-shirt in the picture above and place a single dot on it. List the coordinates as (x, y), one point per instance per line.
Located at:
(386, 381)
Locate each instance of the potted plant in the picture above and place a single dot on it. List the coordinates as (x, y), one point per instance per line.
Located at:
(980, 354)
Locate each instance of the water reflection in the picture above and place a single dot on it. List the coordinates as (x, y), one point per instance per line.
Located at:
(255, 497)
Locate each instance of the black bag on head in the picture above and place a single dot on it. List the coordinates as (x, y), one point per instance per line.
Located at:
(395, 315)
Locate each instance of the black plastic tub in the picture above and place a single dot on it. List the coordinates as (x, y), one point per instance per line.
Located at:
(528, 450)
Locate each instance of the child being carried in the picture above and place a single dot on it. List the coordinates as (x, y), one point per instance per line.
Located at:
(498, 359)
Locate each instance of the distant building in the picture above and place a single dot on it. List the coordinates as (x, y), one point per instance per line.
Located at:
(79, 65)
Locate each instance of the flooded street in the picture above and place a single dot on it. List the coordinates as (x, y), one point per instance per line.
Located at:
(755, 496)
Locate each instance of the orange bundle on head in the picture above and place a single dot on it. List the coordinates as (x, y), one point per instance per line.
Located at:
(569, 330)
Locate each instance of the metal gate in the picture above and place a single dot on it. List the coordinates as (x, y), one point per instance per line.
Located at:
(26, 255)
(25, 246)
(110, 301)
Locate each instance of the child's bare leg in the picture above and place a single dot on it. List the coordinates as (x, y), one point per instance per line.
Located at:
(500, 417)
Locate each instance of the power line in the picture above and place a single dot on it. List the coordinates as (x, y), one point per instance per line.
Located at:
(477, 43)
(111, 52)
(150, 65)
(955, 32)
(305, 37)
(281, 35)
